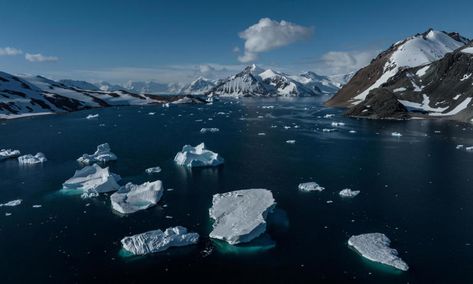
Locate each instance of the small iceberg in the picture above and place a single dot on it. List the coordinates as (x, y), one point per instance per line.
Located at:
(9, 154)
(396, 134)
(31, 160)
(157, 240)
(337, 124)
(240, 216)
(348, 193)
(198, 156)
(12, 203)
(92, 116)
(92, 180)
(375, 247)
(131, 197)
(291, 141)
(209, 130)
(102, 155)
(310, 186)
(153, 170)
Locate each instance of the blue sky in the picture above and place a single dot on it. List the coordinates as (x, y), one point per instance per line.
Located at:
(178, 40)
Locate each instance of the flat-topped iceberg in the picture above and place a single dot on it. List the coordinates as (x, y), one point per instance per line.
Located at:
(197, 156)
(102, 155)
(240, 216)
(347, 192)
(8, 154)
(375, 247)
(131, 197)
(310, 186)
(31, 160)
(92, 180)
(157, 240)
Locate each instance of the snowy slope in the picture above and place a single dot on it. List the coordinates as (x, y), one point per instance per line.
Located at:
(198, 87)
(83, 85)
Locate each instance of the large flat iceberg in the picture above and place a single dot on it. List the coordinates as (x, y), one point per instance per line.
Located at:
(102, 155)
(92, 180)
(31, 160)
(240, 216)
(197, 156)
(157, 240)
(131, 197)
(375, 247)
(8, 154)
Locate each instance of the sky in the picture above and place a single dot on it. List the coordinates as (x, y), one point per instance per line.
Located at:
(177, 41)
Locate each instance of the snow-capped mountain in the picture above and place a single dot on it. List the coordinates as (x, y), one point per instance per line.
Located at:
(318, 83)
(442, 89)
(198, 86)
(255, 81)
(146, 87)
(413, 51)
(108, 87)
(83, 85)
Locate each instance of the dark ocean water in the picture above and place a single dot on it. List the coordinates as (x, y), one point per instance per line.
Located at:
(417, 189)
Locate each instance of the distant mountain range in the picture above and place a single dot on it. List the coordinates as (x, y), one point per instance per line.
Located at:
(427, 75)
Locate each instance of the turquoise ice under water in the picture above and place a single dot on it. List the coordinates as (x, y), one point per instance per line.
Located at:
(416, 189)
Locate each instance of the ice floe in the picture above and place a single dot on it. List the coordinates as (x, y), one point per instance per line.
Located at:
(347, 192)
(31, 160)
(103, 154)
(310, 186)
(153, 170)
(92, 180)
(209, 130)
(240, 216)
(92, 116)
(396, 134)
(131, 197)
(12, 203)
(197, 156)
(376, 247)
(291, 141)
(9, 153)
(337, 124)
(157, 240)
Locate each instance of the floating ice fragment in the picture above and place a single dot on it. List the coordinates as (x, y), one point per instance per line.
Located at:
(290, 141)
(103, 154)
(310, 186)
(347, 192)
(336, 124)
(12, 203)
(209, 130)
(31, 160)
(92, 116)
(131, 197)
(92, 180)
(153, 170)
(198, 156)
(8, 154)
(396, 134)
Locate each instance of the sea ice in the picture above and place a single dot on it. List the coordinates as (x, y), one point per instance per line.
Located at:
(310, 186)
(157, 240)
(240, 216)
(102, 155)
(31, 160)
(197, 156)
(131, 197)
(153, 170)
(347, 192)
(92, 180)
(375, 247)
(8, 154)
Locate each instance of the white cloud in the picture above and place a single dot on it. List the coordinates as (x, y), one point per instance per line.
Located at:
(38, 57)
(268, 34)
(9, 51)
(343, 62)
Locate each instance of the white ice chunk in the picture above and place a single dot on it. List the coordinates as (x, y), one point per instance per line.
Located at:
(102, 155)
(131, 197)
(290, 141)
(8, 154)
(375, 247)
(12, 203)
(31, 160)
(92, 116)
(209, 130)
(310, 186)
(157, 240)
(239, 216)
(336, 124)
(153, 170)
(396, 134)
(347, 192)
(92, 180)
(197, 156)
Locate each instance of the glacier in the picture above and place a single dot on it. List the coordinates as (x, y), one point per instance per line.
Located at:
(102, 155)
(240, 216)
(132, 198)
(197, 156)
(157, 240)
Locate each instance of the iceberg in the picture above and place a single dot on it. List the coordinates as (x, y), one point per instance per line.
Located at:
(131, 197)
(92, 116)
(8, 154)
(337, 124)
(348, 193)
(310, 186)
(157, 240)
(396, 134)
(240, 216)
(31, 160)
(153, 170)
(197, 156)
(102, 155)
(92, 180)
(375, 247)
(209, 130)
(290, 141)
(12, 203)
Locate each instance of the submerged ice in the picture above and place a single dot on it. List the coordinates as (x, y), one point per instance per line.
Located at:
(131, 197)
(240, 216)
(197, 156)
